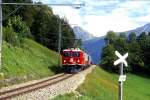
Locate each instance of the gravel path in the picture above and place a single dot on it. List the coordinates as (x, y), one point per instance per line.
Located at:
(63, 87)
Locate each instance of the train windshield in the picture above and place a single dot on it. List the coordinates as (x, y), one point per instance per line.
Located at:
(67, 54)
(76, 54)
(71, 54)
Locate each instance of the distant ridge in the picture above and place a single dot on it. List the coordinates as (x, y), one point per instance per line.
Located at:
(139, 30)
(94, 48)
(82, 34)
(94, 45)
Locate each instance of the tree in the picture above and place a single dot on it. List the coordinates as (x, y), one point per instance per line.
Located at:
(144, 42)
(122, 35)
(16, 30)
(9, 35)
(40, 27)
(68, 40)
(45, 29)
(7, 9)
(108, 57)
(110, 37)
(132, 37)
(135, 58)
(42, 23)
(137, 47)
(121, 45)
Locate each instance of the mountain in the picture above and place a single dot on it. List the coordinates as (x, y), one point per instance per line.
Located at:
(94, 45)
(139, 30)
(82, 34)
(94, 48)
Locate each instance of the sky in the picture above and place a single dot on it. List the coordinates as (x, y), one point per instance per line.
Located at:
(100, 16)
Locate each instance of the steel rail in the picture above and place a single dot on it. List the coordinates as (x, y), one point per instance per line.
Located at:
(32, 87)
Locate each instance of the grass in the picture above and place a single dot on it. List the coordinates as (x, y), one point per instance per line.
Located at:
(28, 62)
(101, 85)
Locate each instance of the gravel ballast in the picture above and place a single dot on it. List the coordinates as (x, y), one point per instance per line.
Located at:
(63, 87)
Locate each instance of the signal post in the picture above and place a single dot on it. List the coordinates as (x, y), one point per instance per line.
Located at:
(122, 77)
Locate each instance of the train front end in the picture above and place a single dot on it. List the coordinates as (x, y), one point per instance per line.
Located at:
(73, 60)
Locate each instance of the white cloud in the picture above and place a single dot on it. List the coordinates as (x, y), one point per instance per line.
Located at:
(70, 13)
(100, 25)
(116, 17)
(118, 20)
(143, 19)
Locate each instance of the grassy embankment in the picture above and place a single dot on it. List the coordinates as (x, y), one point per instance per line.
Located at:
(27, 62)
(101, 85)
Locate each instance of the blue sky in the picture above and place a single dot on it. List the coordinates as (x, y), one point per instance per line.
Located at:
(100, 16)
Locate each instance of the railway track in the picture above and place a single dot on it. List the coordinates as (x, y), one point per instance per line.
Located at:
(4, 95)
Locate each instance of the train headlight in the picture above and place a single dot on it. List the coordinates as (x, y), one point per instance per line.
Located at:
(78, 61)
(71, 59)
(64, 61)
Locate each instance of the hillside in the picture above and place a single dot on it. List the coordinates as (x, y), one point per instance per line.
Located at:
(82, 34)
(95, 45)
(27, 62)
(101, 85)
(139, 30)
(92, 45)
(94, 48)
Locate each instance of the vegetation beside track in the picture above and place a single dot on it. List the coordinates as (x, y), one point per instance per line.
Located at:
(27, 62)
(102, 85)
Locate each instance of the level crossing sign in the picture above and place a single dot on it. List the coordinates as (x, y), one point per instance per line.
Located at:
(121, 59)
(122, 77)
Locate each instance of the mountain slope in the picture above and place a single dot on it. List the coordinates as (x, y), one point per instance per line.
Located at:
(30, 61)
(139, 30)
(94, 48)
(94, 45)
(82, 34)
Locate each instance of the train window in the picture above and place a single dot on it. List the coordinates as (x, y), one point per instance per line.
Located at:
(76, 54)
(66, 54)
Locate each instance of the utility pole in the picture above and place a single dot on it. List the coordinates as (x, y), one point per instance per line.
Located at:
(59, 43)
(1, 19)
(120, 87)
(59, 37)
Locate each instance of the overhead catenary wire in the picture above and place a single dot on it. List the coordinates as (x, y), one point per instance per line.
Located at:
(12, 12)
(37, 4)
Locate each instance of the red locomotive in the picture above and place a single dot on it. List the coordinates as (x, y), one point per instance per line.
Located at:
(74, 60)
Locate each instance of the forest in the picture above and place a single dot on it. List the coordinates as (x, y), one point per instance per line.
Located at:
(137, 46)
(35, 22)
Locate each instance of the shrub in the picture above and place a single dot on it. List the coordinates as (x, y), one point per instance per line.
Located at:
(16, 30)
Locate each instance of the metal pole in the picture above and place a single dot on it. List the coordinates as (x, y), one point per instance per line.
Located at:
(37, 4)
(59, 45)
(120, 87)
(1, 17)
(59, 42)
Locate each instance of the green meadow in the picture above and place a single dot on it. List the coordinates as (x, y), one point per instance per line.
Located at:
(102, 85)
(27, 62)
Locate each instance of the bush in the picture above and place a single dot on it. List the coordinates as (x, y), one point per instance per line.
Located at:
(9, 35)
(19, 26)
(16, 30)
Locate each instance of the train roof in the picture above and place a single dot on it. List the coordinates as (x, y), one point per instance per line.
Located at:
(72, 49)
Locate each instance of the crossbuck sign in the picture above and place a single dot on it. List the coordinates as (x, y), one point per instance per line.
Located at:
(122, 77)
(121, 59)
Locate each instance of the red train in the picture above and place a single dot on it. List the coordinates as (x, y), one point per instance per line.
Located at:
(75, 60)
